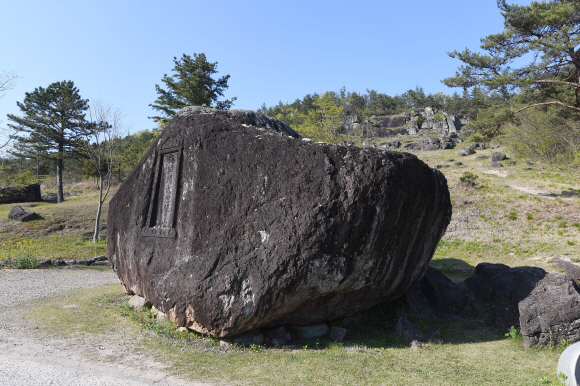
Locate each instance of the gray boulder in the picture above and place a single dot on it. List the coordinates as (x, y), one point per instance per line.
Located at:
(466, 151)
(230, 223)
(498, 156)
(550, 314)
(17, 213)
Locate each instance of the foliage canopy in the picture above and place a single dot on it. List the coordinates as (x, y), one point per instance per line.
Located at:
(544, 36)
(191, 84)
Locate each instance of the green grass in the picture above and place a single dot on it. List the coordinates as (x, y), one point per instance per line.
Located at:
(63, 231)
(464, 352)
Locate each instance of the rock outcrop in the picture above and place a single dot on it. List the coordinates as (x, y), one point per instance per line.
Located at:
(544, 305)
(231, 222)
(550, 314)
(29, 193)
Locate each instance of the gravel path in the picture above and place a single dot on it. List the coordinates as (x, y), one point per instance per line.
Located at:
(25, 360)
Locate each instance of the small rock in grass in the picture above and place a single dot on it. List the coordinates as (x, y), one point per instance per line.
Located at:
(498, 156)
(511, 163)
(17, 213)
(44, 263)
(465, 151)
(482, 157)
(458, 163)
(417, 345)
(337, 333)
(137, 302)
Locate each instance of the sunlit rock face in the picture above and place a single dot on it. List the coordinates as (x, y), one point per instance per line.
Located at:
(232, 222)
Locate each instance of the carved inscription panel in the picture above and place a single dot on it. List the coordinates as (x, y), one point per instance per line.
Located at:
(160, 221)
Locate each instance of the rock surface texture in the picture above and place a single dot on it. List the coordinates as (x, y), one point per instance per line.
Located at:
(231, 222)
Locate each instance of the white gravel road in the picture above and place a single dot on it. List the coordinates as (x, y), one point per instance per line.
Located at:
(25, 360)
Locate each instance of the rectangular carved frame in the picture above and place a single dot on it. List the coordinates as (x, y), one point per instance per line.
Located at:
(159, 223)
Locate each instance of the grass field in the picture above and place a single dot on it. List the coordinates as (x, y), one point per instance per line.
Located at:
(62, 231)
(513, 215)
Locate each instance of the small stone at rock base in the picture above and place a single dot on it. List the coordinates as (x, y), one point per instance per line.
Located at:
(312, 331)
(100, 258)
(276, 343)
(417, 345)
(101, 263)
(158, 314)
(337, 333)
(249, 338)
(182, 329)
(137, 302)
(70, 261)
(495, 164)
(224, 344)
(278, 333)
(409, 332)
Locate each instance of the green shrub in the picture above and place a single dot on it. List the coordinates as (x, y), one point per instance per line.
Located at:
(468, 177)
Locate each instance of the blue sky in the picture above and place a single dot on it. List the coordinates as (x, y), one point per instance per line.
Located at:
(274, 51)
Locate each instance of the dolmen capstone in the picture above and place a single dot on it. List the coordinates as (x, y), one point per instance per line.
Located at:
(232, 221)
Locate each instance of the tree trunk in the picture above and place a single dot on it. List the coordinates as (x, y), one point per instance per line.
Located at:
(59, 190)
(96, 234)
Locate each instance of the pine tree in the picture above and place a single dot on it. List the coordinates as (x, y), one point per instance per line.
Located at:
(53, 118)
(191, 85)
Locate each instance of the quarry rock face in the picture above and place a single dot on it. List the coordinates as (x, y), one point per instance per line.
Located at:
(232, 222)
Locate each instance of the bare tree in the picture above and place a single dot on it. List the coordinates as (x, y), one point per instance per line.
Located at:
(101, 144)
(7, 82)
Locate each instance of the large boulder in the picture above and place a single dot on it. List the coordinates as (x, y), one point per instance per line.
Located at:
(231, 222)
